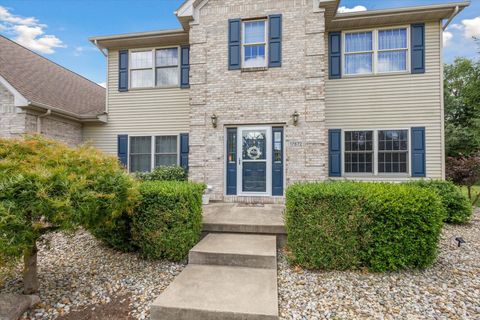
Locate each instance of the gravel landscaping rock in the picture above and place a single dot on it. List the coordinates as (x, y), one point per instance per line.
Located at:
(76, 271)
(450, 289)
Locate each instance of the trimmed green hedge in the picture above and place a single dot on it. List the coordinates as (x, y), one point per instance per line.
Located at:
(116, 233)
(164, 173)
(458, 207)
(351, 225)
(168, 221)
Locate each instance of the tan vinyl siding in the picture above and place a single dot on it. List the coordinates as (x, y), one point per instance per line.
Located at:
(395, 102)
(138, 112)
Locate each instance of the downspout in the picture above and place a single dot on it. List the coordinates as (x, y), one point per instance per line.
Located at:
(454, 14)
(39, 120)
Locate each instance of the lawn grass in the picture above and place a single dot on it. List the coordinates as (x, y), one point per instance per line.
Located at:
(475, 191)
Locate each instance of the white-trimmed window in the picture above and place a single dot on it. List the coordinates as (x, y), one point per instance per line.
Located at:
(254, 44)
(148, 152)
(376, 152)
(154, 68)
(376, 51)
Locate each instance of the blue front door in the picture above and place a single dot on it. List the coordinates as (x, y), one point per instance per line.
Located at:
(254, 159)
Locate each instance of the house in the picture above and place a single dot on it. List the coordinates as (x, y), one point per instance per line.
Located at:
(253, 96)
(39, 96)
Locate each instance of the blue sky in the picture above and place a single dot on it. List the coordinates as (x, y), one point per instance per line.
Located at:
(59, 29)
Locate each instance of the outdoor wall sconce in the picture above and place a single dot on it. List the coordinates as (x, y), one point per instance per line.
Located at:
(295, 117)
(214, 120)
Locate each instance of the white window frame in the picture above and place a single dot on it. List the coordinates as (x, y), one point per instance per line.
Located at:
(375, 173)
(242, 54)
(376, 51)
(154, 67)
(152, 147)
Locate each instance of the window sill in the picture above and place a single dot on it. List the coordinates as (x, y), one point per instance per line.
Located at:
(385, 74)
(254, 69)
(154, 88)
(382, 176)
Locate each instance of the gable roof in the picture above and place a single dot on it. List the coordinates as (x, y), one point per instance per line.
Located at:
(48, 85)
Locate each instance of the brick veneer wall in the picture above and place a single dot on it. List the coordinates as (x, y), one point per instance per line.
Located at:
(261, 97)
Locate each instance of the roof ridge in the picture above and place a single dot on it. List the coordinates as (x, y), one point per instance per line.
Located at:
(51, 61)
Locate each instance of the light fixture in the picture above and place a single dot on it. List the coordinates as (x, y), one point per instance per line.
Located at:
(214, 120)
(295, 117)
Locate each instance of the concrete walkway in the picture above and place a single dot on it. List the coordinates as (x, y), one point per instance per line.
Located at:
(230, 275)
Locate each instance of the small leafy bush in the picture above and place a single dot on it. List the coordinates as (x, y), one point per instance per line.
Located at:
(168, 221)
(116, 232)
(348, 225)
(163, 173)
(456, 204)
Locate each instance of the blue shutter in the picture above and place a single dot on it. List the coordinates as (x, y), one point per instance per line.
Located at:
(418, 48)
(184, 150)
(231, 161)
(334, 55)
(275, 40)
(185, 67)
(234, 45)
(334, 153)
(277, 163)
(123, 70)
(122, 149)
(418, 152)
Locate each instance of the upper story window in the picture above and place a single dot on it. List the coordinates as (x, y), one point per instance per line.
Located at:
(254, 44)
(376, 51)
(154, 68)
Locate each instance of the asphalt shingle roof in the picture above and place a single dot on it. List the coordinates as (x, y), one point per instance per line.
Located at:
(42, 81)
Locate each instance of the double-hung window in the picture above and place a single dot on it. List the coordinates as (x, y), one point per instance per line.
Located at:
(154, 68)
(376, 152)
(359, 151)
(359, 52)
(254, 46)
(376, 51)
(148, 152)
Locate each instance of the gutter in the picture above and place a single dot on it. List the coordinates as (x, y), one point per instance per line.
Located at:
(454, 14)
(66, 114)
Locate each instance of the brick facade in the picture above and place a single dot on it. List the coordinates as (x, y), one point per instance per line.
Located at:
(260, 97)
(14, 123)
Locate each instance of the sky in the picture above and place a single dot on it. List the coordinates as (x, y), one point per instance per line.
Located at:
(59, 29)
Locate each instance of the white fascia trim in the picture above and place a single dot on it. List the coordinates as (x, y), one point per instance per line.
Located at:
(186, 9)
(18, 99)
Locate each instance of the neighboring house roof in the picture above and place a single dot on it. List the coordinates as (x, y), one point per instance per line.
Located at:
(47, 85)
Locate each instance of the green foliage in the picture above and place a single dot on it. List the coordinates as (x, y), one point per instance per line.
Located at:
(348, 225)
(168, 221)
(171, 173)
(462, 107)
(116, 233)
(46, 185)
(455, 203)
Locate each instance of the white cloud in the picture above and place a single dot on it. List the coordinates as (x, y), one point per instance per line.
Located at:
(472, 27)
(447, 37)
(344, 9)
(102, 84)
(29, 32)
(82, 49)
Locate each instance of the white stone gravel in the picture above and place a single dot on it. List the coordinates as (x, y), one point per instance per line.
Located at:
(450, 289)
(77, 270)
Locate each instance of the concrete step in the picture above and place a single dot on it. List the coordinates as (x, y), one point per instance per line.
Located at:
(241, 250)
(237, 218)
(203, 292)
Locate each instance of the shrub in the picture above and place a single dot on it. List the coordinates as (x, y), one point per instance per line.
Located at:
(46, 185)
(171, 173)
(455, 203)
(465, 171)
(168, 221)
(116, 232)
(348, 225)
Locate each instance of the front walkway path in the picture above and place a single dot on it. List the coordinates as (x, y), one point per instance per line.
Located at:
(232, 272)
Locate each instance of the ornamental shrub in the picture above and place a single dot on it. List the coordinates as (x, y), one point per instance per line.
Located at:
(164, 173)
(168, 220)
(46, 186)
(456, 204)
(352, 225)
(116, 232)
